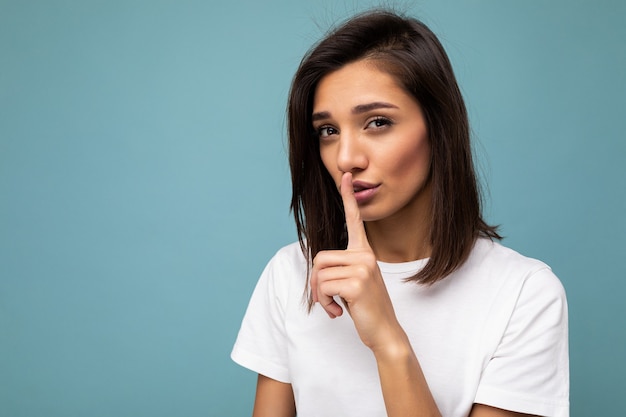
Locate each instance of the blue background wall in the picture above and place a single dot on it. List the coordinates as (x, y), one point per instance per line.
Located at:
(143, 184)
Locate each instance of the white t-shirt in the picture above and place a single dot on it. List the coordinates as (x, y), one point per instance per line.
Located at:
(493, 332)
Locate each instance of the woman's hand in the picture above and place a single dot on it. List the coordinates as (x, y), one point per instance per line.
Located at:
(353, 276)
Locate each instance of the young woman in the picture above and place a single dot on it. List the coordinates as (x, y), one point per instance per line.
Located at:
(398, 300)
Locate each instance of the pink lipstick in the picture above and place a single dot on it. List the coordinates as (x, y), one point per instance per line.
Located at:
(364, 191)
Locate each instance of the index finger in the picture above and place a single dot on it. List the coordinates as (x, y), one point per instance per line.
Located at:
(357, 238)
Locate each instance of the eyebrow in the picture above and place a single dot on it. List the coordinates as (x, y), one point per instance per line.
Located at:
(361, 108)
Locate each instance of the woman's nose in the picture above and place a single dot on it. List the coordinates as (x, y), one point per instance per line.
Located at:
(351, 155)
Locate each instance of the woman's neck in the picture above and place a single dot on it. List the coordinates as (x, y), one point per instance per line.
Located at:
(397, 245)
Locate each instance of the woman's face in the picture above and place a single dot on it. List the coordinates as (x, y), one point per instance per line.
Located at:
(368, 125)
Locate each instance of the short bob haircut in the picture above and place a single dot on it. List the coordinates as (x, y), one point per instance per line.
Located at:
(406, 49)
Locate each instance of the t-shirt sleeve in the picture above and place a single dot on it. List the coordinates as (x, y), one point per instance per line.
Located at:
(261, 344)
(529, 370)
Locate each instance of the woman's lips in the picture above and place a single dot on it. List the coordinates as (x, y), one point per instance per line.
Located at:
(364, 192)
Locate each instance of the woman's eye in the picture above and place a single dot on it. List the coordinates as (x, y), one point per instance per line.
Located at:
(379, 122)
(326, 131)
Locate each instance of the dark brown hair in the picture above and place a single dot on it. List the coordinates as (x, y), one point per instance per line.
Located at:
(406, 49)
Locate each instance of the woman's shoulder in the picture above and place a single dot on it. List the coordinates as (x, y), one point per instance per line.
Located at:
(496, 262)
(290, 253)
(286, 263)
(489, 253)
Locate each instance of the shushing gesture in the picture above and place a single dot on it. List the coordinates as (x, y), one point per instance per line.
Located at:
(353, 276)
